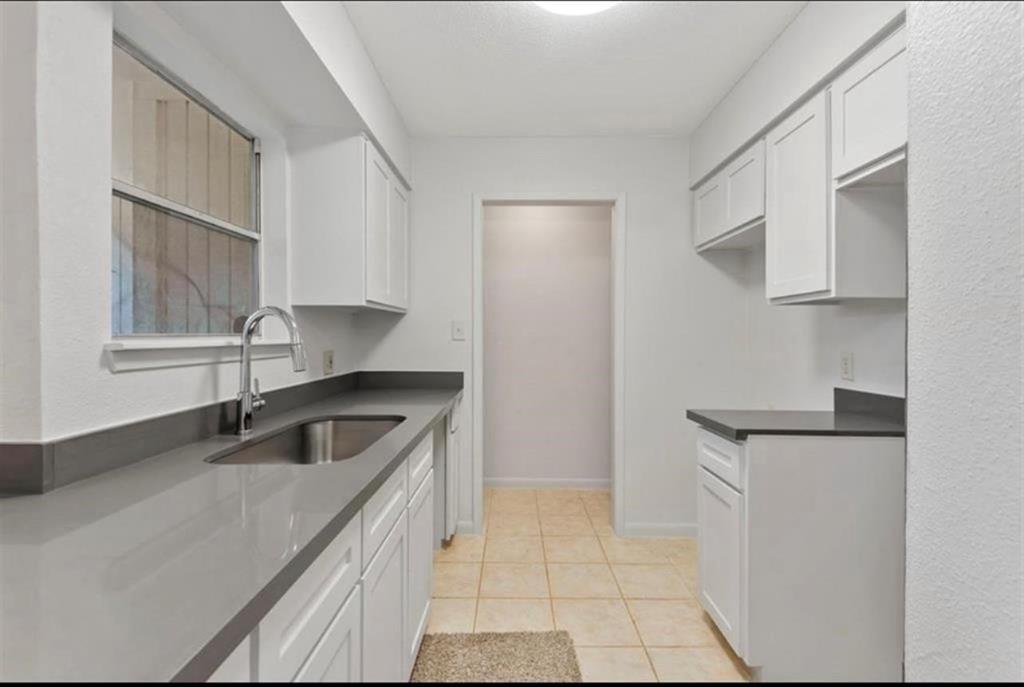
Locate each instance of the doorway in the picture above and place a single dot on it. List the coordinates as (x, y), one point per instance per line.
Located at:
(547, 345)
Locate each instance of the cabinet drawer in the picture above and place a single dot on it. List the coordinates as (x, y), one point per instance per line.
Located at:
(709, 210)
(722, 457)
(421, 460)
(295, 624)
(383, 510)
(338, 656)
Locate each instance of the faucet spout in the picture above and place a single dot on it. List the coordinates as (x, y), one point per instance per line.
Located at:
(249, 402)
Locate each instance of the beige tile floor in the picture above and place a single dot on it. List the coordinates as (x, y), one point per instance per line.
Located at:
(548, 559)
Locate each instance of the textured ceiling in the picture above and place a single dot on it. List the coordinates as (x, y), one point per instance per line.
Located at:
(513, 69)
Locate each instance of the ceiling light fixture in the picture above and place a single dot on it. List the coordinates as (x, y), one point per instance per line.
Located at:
(576, 8)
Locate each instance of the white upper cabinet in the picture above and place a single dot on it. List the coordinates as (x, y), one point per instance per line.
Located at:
(797, 226)
(730, 203)
(869, 107)
(350, 225)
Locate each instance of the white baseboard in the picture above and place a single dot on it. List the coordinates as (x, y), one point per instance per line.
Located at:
(466, 527)
(658, 529)
(531, 483)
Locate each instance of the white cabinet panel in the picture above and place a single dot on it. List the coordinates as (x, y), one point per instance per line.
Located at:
(338, 656)
(722, 457)
(744, 187)
(383, 510)
(421, 565)
(720, 518)
(797, 208)
(295, 624)
(378, 181)
(386, 608)
(869, 106)
(398, 249)
(708, 210)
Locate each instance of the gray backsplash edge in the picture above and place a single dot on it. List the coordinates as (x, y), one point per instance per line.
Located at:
(867, 403)
(38, 467)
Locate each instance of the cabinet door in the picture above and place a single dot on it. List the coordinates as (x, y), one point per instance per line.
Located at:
(421, 565)
(797, 222)
(708, 210)
(720, 519)
(398, 252)
(744, 187)
(869, 106)
(378, 182)
(338, 656)
(386, 609)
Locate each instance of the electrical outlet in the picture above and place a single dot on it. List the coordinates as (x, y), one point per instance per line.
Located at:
(328, 363)
(458, 330)
(846, 366)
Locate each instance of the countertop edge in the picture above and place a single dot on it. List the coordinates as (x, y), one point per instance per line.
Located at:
(742, 434)
(220, 646)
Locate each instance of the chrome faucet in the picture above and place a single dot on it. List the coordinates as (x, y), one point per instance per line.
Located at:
(249, 399)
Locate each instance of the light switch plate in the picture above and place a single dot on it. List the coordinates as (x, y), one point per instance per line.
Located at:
(846, 366)
(458, 330)
(328, 362)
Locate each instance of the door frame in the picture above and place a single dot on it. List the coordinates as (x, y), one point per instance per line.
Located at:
(618, 298)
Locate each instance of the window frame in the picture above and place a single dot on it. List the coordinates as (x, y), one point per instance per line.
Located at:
(134, 194)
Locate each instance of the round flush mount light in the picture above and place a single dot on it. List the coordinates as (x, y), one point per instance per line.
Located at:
(577, 8)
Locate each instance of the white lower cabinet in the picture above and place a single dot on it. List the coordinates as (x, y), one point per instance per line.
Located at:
(421, 566)
(338, 657)
(386, 608)
(721, 553)
(359, 612)
(801, 553)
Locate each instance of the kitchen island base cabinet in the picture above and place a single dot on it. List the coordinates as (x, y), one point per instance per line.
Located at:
(813, 536)
(386, 608)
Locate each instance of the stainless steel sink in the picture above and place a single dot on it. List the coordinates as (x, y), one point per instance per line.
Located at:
(319, 441)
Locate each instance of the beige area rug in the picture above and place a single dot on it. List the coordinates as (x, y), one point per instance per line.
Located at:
(497, 657)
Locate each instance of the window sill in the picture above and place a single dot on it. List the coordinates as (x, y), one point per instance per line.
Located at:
(145, 353)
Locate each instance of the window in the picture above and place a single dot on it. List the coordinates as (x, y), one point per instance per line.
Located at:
(185, 224)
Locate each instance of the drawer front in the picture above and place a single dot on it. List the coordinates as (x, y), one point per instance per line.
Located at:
(420, 462)
(338, 656)
(383, 510)
(724, 458)
(295, 624)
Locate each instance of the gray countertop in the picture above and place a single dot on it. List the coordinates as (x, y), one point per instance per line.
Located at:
(156, 570)
(739, 424)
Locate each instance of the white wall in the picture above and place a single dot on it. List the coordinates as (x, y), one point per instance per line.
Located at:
(817, 42)
(794, 350)
(76, 391)
(330, 32)
(547, 282)
(965, 494)
(20, 402)
(684, 322)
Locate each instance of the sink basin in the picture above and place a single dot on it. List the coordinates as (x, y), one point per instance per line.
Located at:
(312, 443)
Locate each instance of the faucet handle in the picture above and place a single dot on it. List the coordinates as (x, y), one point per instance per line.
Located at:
(258, 402)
